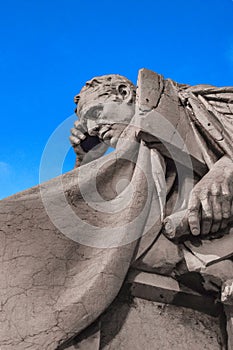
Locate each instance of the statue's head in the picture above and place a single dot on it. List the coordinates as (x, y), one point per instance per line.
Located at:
(105, 106)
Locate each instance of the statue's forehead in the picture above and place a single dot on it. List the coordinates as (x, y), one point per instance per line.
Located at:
(105, 83)
(93, 91)
(89, 97)
(100, 89)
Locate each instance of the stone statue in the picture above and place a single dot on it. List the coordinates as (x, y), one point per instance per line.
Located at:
(158, 208)
(106, 105)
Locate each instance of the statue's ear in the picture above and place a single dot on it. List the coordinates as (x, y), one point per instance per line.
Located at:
(125, 92)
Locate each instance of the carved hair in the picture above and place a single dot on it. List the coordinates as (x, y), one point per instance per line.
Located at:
(103, 88)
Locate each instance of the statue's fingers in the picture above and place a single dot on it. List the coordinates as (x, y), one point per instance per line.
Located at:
(74, 140)
(78, 133)
(223, 225)
(215, 189)
(226, 208)
(206, 216)
(194, 222)
(217, 214)
(229, 221)
(226, 201)
(194, 215)
(72, 131)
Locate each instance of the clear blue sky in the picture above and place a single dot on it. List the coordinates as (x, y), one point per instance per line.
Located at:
(50, 48)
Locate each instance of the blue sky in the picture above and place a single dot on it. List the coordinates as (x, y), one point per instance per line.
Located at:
(50, 48)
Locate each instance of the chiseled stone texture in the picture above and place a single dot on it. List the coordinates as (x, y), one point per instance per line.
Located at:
(162, 258)
(50, 286)
(155, 326)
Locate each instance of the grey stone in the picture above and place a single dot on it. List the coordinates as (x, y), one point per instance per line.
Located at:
(156, 326)
(150, 87)
(229, 319)
(162, 258)
(58, 274)
(167, 290)
(211, 251)
(227, 291)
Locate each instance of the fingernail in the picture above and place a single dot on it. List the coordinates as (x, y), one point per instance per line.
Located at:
(195, 232)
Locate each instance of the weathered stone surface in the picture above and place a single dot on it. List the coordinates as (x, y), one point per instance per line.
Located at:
(162, 258)
(156, 326)
(211, 251)
(167, 290)
(53, 285)
(227, 292)
(89, 339)
(229, 319)
(215, 275)
(150, 87)
(211, 277)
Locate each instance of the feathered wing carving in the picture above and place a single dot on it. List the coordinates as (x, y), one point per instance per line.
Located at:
(213, 110)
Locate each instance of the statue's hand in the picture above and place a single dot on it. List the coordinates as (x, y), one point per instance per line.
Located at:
(85, 145)
(77, 136)
(210, 204)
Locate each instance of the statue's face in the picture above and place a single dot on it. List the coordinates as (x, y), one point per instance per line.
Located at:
(106, 119)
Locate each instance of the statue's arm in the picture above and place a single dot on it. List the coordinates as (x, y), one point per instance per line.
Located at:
(211, 201)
